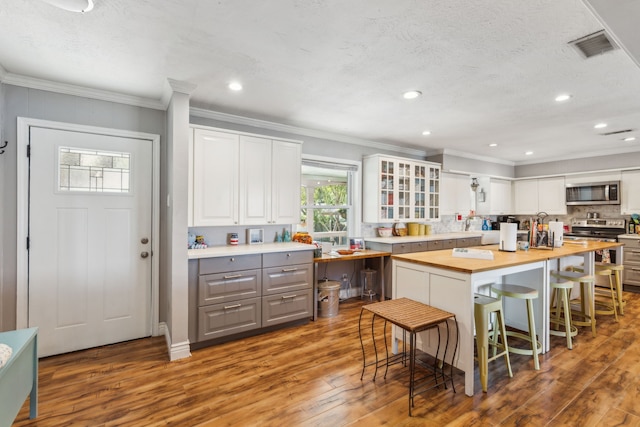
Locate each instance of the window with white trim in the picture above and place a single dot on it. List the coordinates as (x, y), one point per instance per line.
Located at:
(326, 201)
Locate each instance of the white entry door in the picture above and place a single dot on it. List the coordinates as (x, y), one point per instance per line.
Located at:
(90, 211)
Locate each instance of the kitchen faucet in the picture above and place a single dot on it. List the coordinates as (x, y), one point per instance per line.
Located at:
(467, 221)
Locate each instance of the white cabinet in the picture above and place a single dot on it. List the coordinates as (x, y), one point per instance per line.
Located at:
(243, 179)
(215, 178)
(455, 194)
(397, 189)
(269, 181)
(630, 196)
(540, 195)
(497, 197)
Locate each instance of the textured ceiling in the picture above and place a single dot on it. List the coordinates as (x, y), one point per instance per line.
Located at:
(488, 70)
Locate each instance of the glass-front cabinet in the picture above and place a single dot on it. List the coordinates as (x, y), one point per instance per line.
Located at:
(399, 190)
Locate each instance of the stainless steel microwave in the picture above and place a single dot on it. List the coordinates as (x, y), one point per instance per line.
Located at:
(596, 193)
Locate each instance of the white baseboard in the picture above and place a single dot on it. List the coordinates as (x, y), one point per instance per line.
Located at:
(176, 351)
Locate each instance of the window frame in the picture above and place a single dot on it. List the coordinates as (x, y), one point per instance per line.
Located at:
(354, 190)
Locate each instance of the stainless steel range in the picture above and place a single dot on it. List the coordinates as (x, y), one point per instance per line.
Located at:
(599, 229)
(602, 229)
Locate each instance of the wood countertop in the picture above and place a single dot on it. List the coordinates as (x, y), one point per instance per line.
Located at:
(444, 258)
(368, 253)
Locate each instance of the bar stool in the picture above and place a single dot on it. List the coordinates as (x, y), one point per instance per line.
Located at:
(561, 311)
(586, 300)
(617, 278)
(604, 297)
(483, 307)
(528, 294)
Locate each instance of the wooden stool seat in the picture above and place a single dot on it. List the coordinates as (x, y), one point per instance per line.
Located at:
(483, 307)
(561, 313)
(528, 294)
(586, 314)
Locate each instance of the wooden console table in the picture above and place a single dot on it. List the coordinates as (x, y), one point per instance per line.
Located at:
(413, 317)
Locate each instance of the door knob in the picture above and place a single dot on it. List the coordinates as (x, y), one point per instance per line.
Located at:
(144, 240)
(144, 254)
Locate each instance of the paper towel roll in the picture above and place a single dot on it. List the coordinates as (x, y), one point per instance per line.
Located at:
(508, 236)
(556, 231)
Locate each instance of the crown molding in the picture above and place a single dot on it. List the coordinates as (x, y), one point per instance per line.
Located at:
(265, 124)
(172, 86)
(585, 155)
(447, 151)
(69, 89)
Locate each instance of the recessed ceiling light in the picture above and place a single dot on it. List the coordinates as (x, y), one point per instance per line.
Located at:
(412, 94)
(630, 138)
(493, 144)
(235, 86)
(563, 97)
(528, 153)
(600, 126)
(80, 6)
(426, 132)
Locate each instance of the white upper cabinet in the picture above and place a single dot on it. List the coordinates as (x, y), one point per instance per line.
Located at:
(540, 195)
(215, 178)
(497, 197)
(243, 179)
(551, 196)
(455, 194)
(630, 195)
(398, 190)
(286, 182)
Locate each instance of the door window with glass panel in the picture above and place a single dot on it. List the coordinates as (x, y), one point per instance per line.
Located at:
(325, 201)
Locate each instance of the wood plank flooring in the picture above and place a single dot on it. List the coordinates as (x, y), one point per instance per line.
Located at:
(310, 376)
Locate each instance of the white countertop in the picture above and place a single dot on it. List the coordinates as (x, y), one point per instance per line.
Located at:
(629, 236)
(228, 250)
(410, 239)
(440, 236)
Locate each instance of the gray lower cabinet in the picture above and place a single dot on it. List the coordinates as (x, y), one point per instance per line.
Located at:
(287, 286)
(631, 261)
(229, 291)
(249, 292)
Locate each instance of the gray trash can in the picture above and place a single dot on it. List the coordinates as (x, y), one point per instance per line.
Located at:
(328, 298)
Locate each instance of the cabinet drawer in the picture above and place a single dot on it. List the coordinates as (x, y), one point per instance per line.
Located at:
(230, 286)
(286, 307)
(631, 255)
(631, 242)
(285, 279)
(219, 320)
(419, 246)
(631, 274)
(279, 259)
(435, 245)
(229, 263)
(465, 242)
(401, 248)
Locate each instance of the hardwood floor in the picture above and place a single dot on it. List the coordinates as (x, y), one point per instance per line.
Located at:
(310, 376)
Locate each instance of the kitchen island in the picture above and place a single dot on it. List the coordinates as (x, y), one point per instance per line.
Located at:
(449, 283)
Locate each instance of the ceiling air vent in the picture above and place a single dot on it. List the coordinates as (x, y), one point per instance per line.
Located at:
(594, 44)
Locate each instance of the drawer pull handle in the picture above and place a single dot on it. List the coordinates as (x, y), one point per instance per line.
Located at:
(634, 269)
(233, 276)
(288, 296)
(229, 307)
(286, 270)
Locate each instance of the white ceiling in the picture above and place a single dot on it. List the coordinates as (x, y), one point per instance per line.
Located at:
(488, 70)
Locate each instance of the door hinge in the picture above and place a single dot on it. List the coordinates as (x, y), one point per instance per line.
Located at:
(29, 150)
(27, 243)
